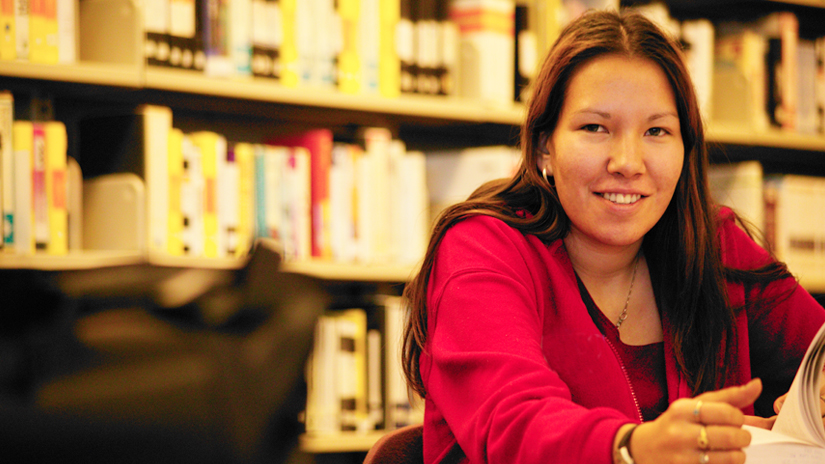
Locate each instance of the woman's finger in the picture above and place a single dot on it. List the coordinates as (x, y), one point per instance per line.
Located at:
(739, 397)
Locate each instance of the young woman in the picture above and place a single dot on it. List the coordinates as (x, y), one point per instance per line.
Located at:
(600, 288)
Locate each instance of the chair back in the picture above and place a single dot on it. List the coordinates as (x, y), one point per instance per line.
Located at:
(400, 446)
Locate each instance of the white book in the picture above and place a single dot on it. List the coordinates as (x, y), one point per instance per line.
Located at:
(342, 195)
(192, 198)
(798, 435)
(412, 218)
(369, 45)
(156, 31)
(23, 200)
(452, 175)
(699, 35)
(795, 225)
(157, 123)
(739, 186)
(67, 31)
(21, 28)
(322, 410)
(487, 56)
(377, 154)
(240, 36)
(230, 201)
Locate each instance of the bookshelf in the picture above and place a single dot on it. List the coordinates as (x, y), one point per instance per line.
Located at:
(111, 71)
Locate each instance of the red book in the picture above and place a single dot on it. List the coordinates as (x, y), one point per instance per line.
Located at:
(319, 144)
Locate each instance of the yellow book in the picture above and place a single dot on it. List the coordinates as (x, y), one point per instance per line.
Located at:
(43, 32)
(23, 145)
(245, 160)
(56, 144)
(8, 39)
(349, 61)
(389, 66)
(175, 239)
(207, 143)
(289, 47)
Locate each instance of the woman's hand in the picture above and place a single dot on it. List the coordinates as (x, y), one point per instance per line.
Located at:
(705, 429)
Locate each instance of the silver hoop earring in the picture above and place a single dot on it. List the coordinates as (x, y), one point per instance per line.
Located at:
(544, 174)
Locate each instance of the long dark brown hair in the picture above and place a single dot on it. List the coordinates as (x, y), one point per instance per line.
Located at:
(682, 247)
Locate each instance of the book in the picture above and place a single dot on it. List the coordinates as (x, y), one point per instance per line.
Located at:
(40, 198)
(56, 144)
(21, 29)
(343, 194)
(7, 168)
(793, 227)
(267, 37)
(8, 37)
(452, 175)
(115, 212)
(798, 435)
(74, 204)
(156, 31)
(349, 60)
(698, 34)
(216, 42)
(806, 110)
(174, 240)
(23, 145)
(389, 66)
(43, 32)
(405, 48)
(67, 52)
(212, 148)
(244, 154)
(819, 47)
(369, 45)
(782, 29)
(318, 142)
(240, 36)
(740, 76)
(739, 186)
(184, 35)
(487, 44)
(192, 198)
(290, 74)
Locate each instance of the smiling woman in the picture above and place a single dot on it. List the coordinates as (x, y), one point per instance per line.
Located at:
(599, 287)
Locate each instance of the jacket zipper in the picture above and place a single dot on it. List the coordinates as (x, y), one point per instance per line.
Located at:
(627, 378)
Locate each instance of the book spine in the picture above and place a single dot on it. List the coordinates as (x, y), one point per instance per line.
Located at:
(349, 59)
(369, 45)
(67, 31)
(21, 28)
(216, 43)
(43, 32)
(193, 194)
(389, 65)
(23, 144)
(8, 35)
(7, 177)
(245, 159)
(40, 200)
(267, 35)
(56, 146)
(290, 73)
(176, 222)
(229, 196)
(183, 29)
(156, 31)
(405, 46)
(240, 36)
(156, 125)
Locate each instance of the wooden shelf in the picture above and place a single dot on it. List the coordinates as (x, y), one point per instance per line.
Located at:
(339, 443)
(267, 90)
(773, 138)
(92, 73)
(351, 272)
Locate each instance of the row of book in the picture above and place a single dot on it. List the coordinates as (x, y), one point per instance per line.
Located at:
(39, 31)
(354, 377)
(788, 210)
(758, 74)
(383, 47)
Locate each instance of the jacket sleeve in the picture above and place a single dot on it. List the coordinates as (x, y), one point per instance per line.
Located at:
(484, 367)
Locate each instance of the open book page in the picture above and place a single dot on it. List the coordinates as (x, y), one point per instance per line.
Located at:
(801, 416)
(771, 447)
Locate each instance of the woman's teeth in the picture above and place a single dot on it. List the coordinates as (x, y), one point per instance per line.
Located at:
(622, 198)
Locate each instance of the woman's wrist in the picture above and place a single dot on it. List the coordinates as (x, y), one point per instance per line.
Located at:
(621, 445)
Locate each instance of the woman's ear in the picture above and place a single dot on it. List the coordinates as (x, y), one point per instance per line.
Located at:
(544, 164)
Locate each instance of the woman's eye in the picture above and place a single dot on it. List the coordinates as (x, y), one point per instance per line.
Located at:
(593, 128)
(656, 131)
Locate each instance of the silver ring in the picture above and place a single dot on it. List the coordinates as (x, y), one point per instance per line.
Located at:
(704, 458)
(697, 411)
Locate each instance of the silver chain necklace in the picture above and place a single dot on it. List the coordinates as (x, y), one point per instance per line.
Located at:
(623, 316)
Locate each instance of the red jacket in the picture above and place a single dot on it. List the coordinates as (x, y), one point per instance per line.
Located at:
(516, 371)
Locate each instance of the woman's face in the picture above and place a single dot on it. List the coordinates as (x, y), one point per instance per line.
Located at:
(616, 153)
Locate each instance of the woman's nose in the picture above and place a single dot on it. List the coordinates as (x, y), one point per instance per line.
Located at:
(626, 157)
